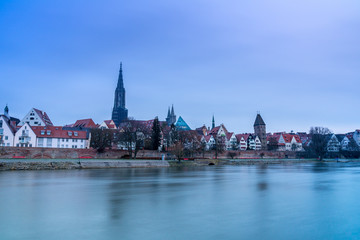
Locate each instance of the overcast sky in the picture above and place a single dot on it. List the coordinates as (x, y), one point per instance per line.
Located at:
(297, 62)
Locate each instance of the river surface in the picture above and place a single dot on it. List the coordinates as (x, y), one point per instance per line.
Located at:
(284, 201)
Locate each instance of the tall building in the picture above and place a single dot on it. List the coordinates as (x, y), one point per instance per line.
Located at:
(171, 117)
(260, 130)
(119, 113)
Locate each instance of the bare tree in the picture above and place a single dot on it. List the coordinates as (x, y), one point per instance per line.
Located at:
(318, 144)
(219, 146)
(101, 139)
(131, 137)
(272, 144)
(178, 150)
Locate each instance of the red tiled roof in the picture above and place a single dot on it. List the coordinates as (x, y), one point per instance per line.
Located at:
(44, 117)
(57, 132)
(239, 136)
(229, 135)
(85, 123)
(110, 124)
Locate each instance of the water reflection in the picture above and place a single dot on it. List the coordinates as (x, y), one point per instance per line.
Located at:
(218, 202)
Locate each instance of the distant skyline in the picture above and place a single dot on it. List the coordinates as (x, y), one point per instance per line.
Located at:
(297, 62)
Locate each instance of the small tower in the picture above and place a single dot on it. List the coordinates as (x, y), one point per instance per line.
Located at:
(260, 130)
(6, 111)
(213, 122)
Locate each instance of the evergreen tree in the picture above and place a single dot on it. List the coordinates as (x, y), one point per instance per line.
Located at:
(156, 134)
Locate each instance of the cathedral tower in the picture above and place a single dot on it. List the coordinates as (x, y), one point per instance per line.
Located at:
(171, 117)
(260, 130)
(119, 113)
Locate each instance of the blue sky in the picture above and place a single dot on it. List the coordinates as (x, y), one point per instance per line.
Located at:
(297, 62)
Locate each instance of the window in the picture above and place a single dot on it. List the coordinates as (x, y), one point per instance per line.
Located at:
(81, 140)
(31, 118)
(49, 142)
(40, 142)
(70, 133)
(8, 144)
(6, 137)
(48, 132)
(62, 145)
(1, 123)
(42, 132)
(67, 140)
(35, 122)
(75, 134)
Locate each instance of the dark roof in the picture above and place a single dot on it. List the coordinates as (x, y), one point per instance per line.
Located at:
(259, 120)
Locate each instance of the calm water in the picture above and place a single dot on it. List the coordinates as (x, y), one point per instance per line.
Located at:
(300, 201)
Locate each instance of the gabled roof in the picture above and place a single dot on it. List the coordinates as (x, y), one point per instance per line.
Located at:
(85, 123)
(259, 120)
(228, 135)
(10, 124)
(44, 117)
(57, 132)
(110, 124)
(245, 136)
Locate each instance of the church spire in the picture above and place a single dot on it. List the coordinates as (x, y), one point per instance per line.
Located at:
(213, 122)
(172, 110)
(120, 83)
(168, 115)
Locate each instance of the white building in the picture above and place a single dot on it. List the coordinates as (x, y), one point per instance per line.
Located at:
(333, 144)
(231, 141)
(7, 131)
(209, 140)
(242, 141)
(36, 117)
(50, 137)
(25, 137)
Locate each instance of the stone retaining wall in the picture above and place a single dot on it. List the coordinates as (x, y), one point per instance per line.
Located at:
(91, 164)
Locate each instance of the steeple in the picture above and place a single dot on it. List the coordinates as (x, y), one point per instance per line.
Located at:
(213, 122)
(172, 110)
(168, 115)
(120, 113)
(120, 83)
(259, 120)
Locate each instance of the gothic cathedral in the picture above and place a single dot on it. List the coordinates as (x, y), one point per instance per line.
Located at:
(119, 113)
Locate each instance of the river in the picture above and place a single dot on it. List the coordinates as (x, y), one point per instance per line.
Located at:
(280, 201)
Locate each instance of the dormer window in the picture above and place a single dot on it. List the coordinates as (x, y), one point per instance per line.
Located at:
(70, 133)
(48, 132)
(75, 134)
(42, 132)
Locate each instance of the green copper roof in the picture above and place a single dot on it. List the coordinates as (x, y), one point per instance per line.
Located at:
(182, 125)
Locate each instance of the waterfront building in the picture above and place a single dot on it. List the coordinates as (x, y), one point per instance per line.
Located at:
(209, 141)
(202, 131)
(25, 136)
(333, 144)
(119, 113)
(242, 141)
(171, 117)
(36, 117)
(7, 128)
(50, 137)
(260, 130)
(287, 141)
(231, 141)
(356, 136)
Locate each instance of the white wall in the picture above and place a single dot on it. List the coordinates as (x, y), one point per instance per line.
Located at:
(7, 134)
(26, 129)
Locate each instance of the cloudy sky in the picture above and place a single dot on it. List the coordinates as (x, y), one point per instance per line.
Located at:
(297, 62)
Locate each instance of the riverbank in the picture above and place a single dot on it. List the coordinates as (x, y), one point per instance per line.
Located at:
(62, 164)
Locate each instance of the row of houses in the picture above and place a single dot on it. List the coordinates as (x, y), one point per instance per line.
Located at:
(37, 130)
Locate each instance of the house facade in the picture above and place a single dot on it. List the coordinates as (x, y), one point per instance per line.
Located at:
(7, 131)
(36, 117)
(50, 137)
